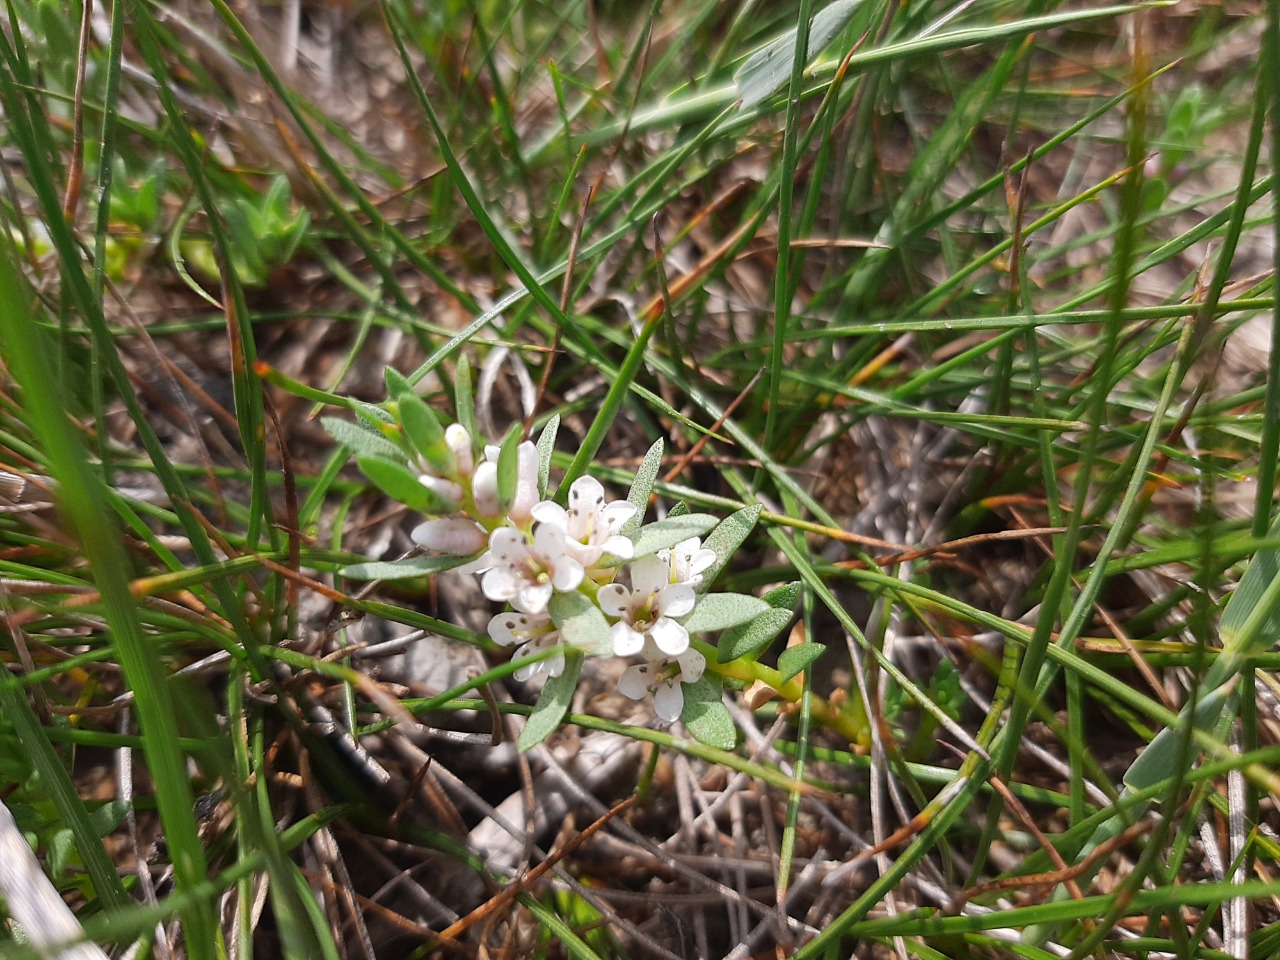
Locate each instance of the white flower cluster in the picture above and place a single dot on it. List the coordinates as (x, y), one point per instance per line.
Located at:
(537, 548)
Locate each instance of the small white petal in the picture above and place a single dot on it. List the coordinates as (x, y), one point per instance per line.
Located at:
(671, 638)
(442, 488)
(459, 441)
(548, 511)
(618, 546)
(508, 629)
(668, 701)
(676, 600)
(509, 545)
(454, 535)
(648, 575)
(615, 514)
(532, 597)
(612, 599)
(500, 583)
(692, 666)
(549, 541)
(627, 641)
(484, 489)
(567, 574)
(634, 682)
(526, 495)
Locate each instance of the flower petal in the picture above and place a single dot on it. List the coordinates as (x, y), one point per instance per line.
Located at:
(627, 641)
(648, 575)
(634, 682)
(566, 574)
(441, 487)
(613, 599)
(615, 514)
(509, 546)
(532, 597)
(668, 701)
(484, 489)
(459, 441)
(672, 639)
(454, 535)
(619, 546)
(676, 600)
(500, 583)
(548, 511)
(692, 666)
(508, 629)
(526, 496)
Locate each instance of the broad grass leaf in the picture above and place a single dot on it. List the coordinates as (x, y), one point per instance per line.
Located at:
(1251, 619)
(642, 486)
(768, 70)
(552, 705)
(362, 441)
(719, 611)
(794, 660)
(662, 534)
(706, 717)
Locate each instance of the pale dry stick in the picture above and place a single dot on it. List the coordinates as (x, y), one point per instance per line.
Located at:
(1235, 913)
(470, 886)
(124, 790)
(747, 945)
(402, 878)
(330, 859)
(685, 836)
(575, 787)
(34, 903)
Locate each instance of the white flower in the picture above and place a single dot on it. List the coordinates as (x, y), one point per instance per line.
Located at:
(533, 633)
(454, 535)
(647, 609)
(441, 487)
(591, 525)
(484, 484)
(688, 560)
(527, 573)
(662, 678)
(459, 441)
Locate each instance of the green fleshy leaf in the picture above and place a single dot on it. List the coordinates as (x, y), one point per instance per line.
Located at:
(399, 483)
(706, 717)
(768, 70)
(464, 401)
(372, 414)
(679, 509)
(793, 660)
(546, 447)
(361, 440)
(423, 429)
(509, 467)
(662, 534)
(719, 611)
(642, 487)
(784, 597)
(552, 705)
(402, 569)
(749, 639)
(582, 625)
(726, 538)
(397, 385)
